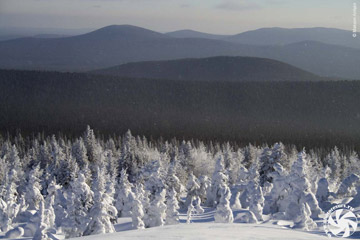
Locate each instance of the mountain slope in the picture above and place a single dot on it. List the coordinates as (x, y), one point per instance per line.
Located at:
(309, 114)
(284, 36)
(106, 47)
(187, 33)
(116, 45)
(230, 69)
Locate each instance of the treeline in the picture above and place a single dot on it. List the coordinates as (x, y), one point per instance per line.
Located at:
(310, 114)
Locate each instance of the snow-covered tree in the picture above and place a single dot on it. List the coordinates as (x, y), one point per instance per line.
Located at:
(101, 212)
(205, 188)
(299, 187)
(218, 181)
(223, 212)
(10, 197)
(128, 158)
(50, 216)
(347, 187)
(137, 213)
(301, 213)
(333, 160)
(153, 177)
(123, 202)
(156, 214)
(267, 162)
(80, 201)
(92, 146)
(172, 181)
(279, 192)
(352, 164)
(41, 231)
(190, 211)
(80, 153)
(255, 197)
(172, 207)
(193, 192)
(33, 190)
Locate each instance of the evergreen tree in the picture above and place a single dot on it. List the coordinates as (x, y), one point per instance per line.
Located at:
(11, 208)
(299, 187)
(137, 213)
(172, 207)
(41, 231)
(80, 201)
(218, 181)
(223, 211)
(123, 200)
(33, 190)
(101, 212)
(172, 181)
(156, 214)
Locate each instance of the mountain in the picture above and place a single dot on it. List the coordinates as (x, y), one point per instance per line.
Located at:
(121, 33)
(187, 33)
(105, 47)
(284, 36)
(7, 33)
(230, 69)
(323, 113)
(115, 45)
(50, 36)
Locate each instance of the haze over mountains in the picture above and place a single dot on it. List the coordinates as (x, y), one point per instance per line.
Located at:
(188, 33)
(119, 44)
(228, 69)
(280, 36)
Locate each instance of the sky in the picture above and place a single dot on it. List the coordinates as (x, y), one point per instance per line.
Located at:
(213, 16)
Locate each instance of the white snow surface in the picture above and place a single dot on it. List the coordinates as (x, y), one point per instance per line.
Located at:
(212, 231)
(203, 226)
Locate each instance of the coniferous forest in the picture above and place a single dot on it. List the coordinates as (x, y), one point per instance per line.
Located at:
(53, 186)
(321, 114)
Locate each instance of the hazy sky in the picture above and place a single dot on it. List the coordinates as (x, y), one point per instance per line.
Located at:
(216, 16)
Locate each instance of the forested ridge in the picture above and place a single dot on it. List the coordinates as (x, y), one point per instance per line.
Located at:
(311, 114)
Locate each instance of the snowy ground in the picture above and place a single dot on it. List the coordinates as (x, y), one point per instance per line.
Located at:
(213, 231)
(203, 227)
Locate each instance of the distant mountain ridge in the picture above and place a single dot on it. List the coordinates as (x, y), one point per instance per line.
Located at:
(228, 69)
(123, 32)
(284, 36)
(119, 44)
(279, 36)
(188, 33)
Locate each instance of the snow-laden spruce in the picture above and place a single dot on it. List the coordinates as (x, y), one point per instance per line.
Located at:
(137, 213)
(101, 212)
(223, 212)
(77, 187)
(123, 200)
(219, 181)
(300, 193)
(156, 213)
(172, 208)
(193, 193)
